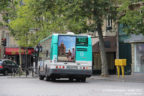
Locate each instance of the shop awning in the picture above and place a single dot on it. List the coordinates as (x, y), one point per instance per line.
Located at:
(15, 51)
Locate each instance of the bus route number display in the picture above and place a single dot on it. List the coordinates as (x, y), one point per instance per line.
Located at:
(81, 41)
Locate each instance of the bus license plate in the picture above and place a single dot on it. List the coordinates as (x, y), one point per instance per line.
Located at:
(72, 67)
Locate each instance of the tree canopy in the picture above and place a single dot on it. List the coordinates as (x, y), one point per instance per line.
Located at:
(132, 16)
(43, 17)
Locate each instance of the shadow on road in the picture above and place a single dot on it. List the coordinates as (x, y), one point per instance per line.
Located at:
(1, 75)
(65, 81)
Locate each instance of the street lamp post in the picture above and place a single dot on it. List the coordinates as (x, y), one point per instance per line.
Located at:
(37, 50)
(3, 44)
(27, 70)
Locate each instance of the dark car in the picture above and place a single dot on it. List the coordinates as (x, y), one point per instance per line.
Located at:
(8, 66)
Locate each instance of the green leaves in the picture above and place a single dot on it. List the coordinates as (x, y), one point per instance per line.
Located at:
(133, 16)
(32, 20)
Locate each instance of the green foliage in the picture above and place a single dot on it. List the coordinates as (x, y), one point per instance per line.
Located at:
(1, 23)
(92, 13)
(33, 20)
(133, 16)
(45, 16)
(4, 4)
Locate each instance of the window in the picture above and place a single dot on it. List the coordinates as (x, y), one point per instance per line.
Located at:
(46, 46)
(66, 48)
(109, 23)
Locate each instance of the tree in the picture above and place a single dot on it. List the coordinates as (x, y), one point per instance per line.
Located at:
(132, 16)
(95, 11)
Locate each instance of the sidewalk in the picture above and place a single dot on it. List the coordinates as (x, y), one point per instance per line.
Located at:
(137, 77)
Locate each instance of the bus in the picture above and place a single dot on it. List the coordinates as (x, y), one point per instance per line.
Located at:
(65, 56)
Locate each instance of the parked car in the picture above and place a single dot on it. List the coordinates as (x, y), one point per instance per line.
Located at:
(8, 66)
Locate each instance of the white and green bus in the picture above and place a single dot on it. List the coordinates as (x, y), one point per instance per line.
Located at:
(65, 56)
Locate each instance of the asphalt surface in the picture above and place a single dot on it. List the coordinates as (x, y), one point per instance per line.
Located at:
(94, 86)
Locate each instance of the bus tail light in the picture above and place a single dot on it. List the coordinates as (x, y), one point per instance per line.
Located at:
(1, 66)
(87, 68)
(83, 67)
(60, 67)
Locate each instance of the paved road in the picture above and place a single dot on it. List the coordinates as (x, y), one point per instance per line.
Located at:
(94, 86)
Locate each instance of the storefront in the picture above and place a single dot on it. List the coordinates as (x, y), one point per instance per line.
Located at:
(27, 57)
(137, 42)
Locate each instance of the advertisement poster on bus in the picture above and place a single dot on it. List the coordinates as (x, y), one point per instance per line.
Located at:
(66, 48)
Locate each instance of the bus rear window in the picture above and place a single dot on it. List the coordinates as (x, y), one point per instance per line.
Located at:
(82, 41)
(66, 48)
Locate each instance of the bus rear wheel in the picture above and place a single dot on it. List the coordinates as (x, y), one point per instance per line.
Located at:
(78, 79)
(48, 78)
(53, 79)
(83, 79)
(71, 79)
(41, 77)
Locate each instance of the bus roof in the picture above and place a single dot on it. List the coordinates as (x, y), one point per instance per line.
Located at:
(72, 34)
(45, 39)
(62, 34)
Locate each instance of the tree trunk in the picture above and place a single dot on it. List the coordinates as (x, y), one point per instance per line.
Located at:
(27, 66)
(2, 47)
(104, 66)
(20, 60)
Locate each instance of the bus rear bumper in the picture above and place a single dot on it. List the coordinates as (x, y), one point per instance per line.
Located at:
(70, 73)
